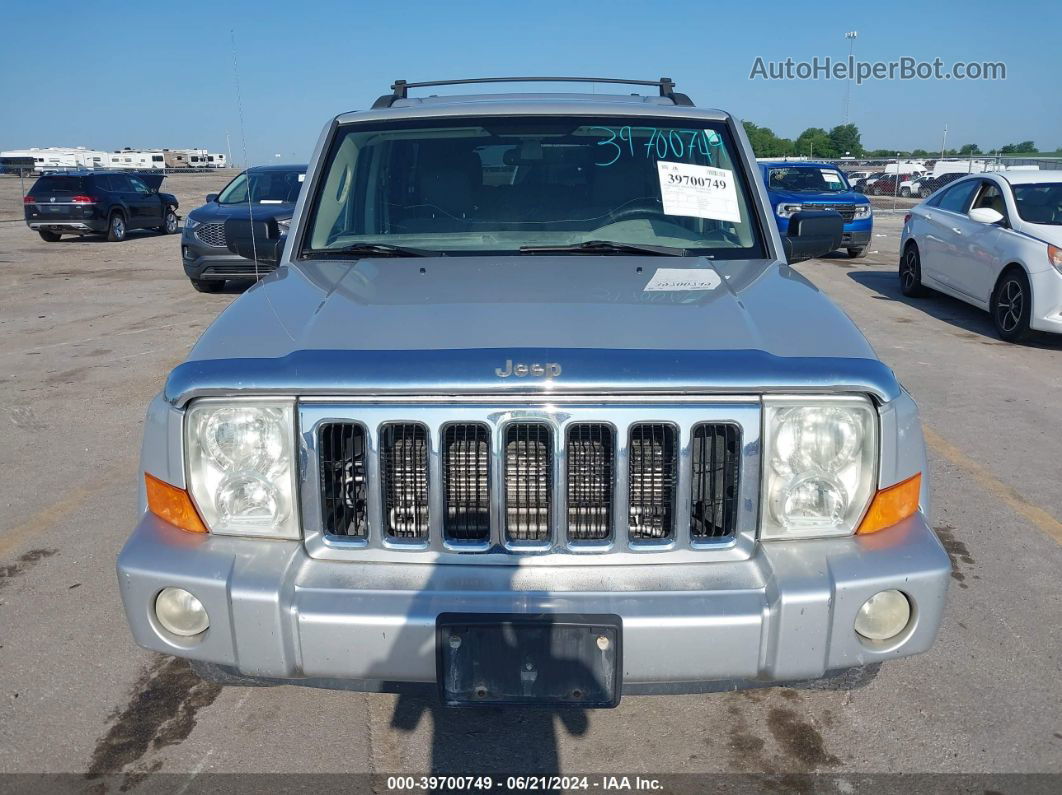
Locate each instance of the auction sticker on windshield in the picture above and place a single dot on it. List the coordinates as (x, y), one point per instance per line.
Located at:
(698, 191)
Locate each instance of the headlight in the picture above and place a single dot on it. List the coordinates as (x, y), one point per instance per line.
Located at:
(787, 209)
(862, 211)
(241, 466)
(820, 466)
(1054, 256)
(191, 223)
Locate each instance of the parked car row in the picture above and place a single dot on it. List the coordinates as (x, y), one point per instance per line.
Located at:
(110, 203)
(915, 184)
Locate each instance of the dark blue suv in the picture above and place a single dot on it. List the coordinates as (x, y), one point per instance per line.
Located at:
(796, 186)
(269, 192)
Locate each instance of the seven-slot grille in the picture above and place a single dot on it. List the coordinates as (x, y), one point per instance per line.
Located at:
(652, 481)
(590, 481)
(343, 481)
(847, 211)
(211, 234)
(528, 481)
(404, 477)
(715, 454)
(526, 494)
(466, 474)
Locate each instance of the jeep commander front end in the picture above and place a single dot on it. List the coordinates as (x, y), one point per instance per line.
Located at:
(533, 412)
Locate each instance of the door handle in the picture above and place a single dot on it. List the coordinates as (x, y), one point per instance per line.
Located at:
(956, 230)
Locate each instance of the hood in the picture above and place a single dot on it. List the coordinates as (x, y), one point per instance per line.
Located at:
(847, 197)
(213, 211)
(151, 179)
(415, 317)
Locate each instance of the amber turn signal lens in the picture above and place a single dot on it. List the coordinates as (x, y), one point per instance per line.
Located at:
(892, 505)
(172, 505)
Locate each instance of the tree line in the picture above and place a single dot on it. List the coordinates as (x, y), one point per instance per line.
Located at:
(844, 141)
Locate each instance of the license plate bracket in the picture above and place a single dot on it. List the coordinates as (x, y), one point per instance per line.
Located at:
(531, 659)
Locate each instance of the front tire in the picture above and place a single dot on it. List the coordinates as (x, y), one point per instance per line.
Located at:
(169, 222)
(116, 228)
(857, 252)
(208, 285)
(911, 273)
(1012, 306)
(905, 193)
(49, 237)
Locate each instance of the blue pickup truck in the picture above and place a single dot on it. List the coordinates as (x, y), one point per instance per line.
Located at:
(796, 186)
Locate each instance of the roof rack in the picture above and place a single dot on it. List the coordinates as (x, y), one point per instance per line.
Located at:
(400, 88)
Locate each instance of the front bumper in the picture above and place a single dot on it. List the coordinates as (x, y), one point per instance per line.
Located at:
(855, 238)
(1047, 301)
(205, 263)
(785, 614)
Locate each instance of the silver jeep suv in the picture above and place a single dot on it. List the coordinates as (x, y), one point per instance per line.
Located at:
(533, 411)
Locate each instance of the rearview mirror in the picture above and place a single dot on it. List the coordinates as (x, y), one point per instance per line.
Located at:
(985, 215)
(812, 233)
(255, 240)
(211, 197)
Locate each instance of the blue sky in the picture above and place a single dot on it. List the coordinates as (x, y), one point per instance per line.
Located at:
(107, 74)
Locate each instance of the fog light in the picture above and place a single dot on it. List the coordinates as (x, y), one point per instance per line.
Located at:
(883, 616)
(181, 613)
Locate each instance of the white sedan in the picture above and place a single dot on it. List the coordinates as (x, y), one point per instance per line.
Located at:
(994, 241)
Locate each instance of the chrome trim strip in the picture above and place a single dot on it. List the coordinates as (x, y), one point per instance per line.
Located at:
(417, 373)
(745, 412)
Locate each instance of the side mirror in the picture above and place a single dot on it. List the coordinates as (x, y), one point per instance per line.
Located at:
(985, 215)
(812, 233)
(211, 197)
(255, 240)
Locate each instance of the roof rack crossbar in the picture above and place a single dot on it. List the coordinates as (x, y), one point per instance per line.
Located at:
(400, 88)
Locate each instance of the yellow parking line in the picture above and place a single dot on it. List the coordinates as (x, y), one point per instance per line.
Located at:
(1047, 523)
(47, 518)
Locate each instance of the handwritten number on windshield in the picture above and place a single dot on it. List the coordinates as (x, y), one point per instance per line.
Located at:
(660, 143)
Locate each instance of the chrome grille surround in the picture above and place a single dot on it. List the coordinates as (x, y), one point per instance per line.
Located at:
(561, 414)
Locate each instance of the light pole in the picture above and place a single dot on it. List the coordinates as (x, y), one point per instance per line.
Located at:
(943, 142)
(851, 35)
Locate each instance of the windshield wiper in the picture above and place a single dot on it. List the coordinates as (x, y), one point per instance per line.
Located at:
(607, 247)
(374, 250)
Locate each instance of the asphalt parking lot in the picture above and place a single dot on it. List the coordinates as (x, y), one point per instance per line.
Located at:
(90, 330)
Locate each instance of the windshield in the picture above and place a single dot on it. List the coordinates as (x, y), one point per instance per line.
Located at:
(481, 186)
(1039, 203)
(267, 187)
(807, 180)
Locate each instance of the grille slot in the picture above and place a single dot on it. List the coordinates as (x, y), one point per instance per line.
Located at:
(466, 475)
(652, 481)
(404, 480)
(591, 479)
(343, 479)
(528, 481)
(211, 234)
(715, 451)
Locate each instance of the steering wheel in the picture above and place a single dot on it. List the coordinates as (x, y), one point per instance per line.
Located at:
(642, 210)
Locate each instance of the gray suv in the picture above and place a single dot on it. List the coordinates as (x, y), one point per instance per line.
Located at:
(534, 411)
(267, 192)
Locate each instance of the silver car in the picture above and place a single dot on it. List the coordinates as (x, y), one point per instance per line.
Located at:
(534, 411)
